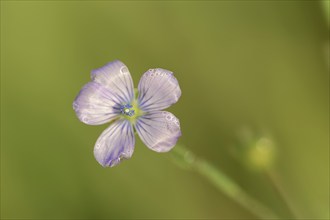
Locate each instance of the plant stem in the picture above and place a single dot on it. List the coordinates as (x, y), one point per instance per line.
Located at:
(274, 179)
(222, 182)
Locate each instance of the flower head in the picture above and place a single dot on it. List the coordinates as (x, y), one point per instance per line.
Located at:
(110, 97)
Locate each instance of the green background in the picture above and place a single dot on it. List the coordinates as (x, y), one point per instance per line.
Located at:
(258, 65)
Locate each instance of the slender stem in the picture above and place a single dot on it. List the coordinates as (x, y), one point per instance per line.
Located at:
(274, 179)
(222, 182)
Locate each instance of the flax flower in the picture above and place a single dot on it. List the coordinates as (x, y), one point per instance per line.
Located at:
(110, 97)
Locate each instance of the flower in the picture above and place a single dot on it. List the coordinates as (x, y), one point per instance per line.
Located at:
(110, 97)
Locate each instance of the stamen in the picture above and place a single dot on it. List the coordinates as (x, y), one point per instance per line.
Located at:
(127, 110)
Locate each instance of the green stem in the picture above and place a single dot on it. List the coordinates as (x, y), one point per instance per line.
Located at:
(222, 182)
(326, 10)
(274, 179)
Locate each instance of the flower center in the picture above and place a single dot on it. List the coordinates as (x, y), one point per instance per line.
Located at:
(127, 109)
(131, 111)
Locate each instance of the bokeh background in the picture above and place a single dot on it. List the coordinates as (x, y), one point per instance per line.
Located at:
(261, 67)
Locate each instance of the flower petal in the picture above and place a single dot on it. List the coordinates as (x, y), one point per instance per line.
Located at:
(158, 89)
(158, 130)
(115, 143)
(95, 104)
(116, 77)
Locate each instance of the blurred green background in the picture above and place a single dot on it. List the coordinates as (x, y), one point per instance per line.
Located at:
(258, 65)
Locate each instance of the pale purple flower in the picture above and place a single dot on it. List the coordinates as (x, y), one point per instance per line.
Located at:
(110, 97)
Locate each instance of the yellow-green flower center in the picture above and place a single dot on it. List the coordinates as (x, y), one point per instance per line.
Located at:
(131, 111)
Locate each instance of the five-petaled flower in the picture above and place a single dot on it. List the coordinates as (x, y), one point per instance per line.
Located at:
(110, 96)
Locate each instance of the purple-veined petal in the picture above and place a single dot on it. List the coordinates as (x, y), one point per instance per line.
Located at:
(115, 76)
(95, 105)
(158, 130)
(115, 143)
(158, 89)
